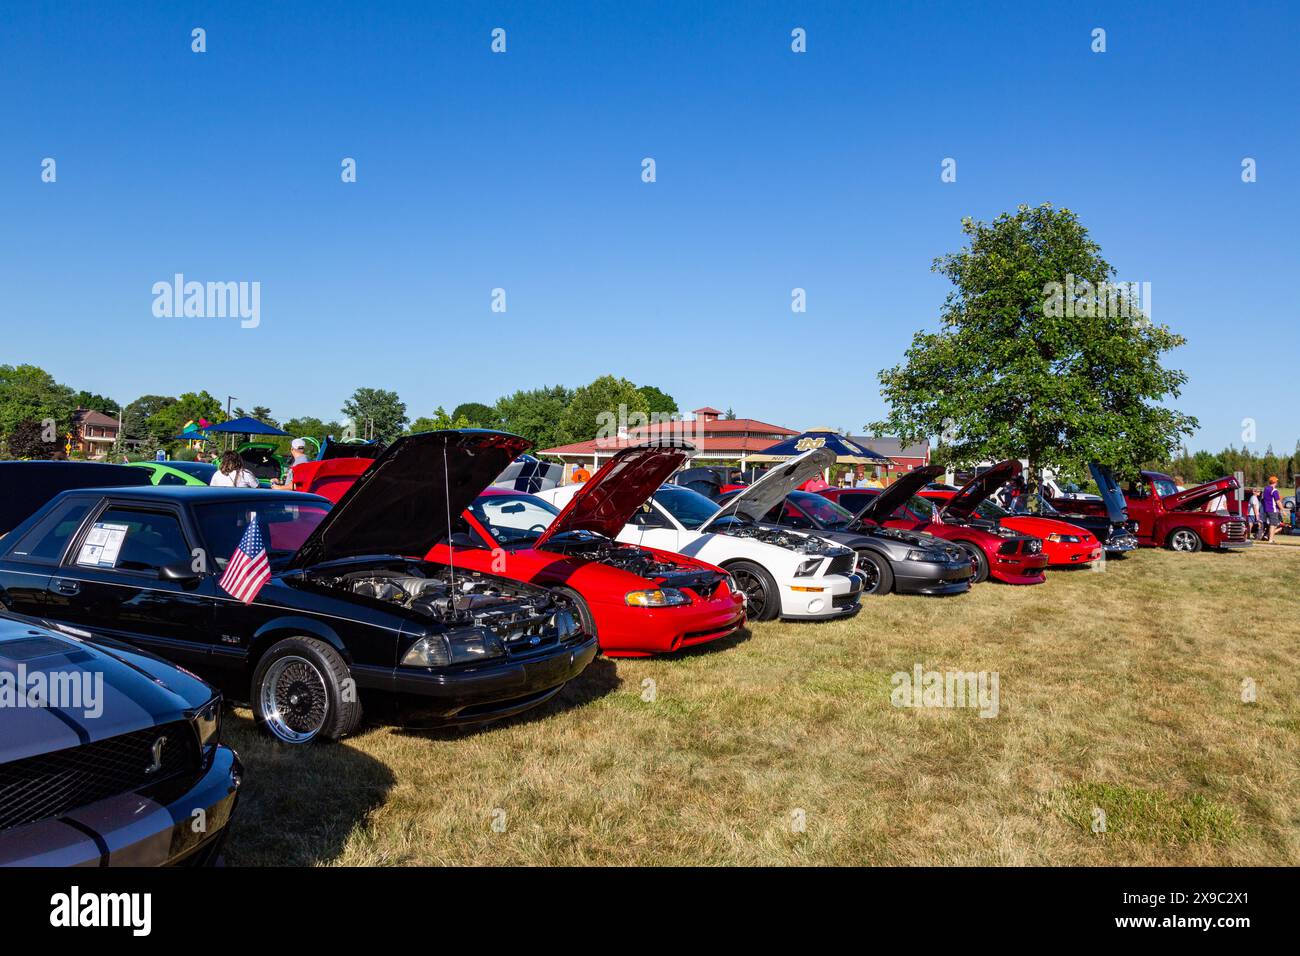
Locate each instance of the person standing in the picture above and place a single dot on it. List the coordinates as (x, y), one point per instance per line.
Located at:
(1252, 512)
(232, 473)
(297, 452)
(1271, 508)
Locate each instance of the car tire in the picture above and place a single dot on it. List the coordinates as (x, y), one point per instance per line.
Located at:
(303, 691)
(1185, 540)
(760, 590)
(875, 568)
(978, 559)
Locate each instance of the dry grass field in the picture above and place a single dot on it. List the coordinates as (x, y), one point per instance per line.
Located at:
(1119, 691)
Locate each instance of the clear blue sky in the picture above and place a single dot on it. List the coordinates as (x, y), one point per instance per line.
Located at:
(522, 171)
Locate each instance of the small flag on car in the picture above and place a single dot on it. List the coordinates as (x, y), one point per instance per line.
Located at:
(248, 569)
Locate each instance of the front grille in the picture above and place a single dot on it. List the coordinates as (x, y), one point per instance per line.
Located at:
(53, 784)
(844, 600)
(1235, 530)
(842, 564)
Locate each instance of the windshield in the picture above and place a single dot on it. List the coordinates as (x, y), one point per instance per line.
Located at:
(690, 508)
(822, 510)
(513, 519)
(923, 508)
(987, 509)
(285, 526)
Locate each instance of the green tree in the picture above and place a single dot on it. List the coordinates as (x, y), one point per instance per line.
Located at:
(534, 413)
(1031, 363)
(136, 415)
(476, 415)
(440, 421)
(29, 393)
(377, 413)
(263, 415)
(166, 423)
(100, 403)
(657, 401)
(589, 410)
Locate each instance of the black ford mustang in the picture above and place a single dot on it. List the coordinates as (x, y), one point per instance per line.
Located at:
(909, 562)
(108, 756)
(352, 613)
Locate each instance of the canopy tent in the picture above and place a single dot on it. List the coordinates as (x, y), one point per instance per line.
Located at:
(247, 426)
(847, 451)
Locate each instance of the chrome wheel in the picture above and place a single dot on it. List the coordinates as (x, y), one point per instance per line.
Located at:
(869, 571)
(754, 590)
(1185, 540)
(294, 699)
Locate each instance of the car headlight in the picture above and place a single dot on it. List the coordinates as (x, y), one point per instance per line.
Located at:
(207, 722)
(915, 555)
(1064, 538)
(808, 568)
(659, 597)
(462, 646)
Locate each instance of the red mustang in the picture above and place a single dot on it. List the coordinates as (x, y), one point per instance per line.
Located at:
(1066, 545)
(638, 601)
(996, 552)
(1163, 515)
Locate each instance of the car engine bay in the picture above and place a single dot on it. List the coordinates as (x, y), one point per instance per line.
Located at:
(463, 598)
(635, 560)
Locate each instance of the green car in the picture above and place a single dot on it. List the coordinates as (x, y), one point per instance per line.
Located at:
(177, 472)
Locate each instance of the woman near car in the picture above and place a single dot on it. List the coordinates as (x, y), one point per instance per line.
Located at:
(232, 473)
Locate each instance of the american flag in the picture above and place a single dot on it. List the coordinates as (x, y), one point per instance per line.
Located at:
(247, 570)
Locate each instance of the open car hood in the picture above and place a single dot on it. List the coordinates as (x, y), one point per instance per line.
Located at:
(756, 500)
(974, 492)
(1194, 498)
(1111, 493)
(888, 501)
(609, 498)
(404, 502)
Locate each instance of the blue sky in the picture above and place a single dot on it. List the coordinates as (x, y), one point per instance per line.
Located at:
(522, 171)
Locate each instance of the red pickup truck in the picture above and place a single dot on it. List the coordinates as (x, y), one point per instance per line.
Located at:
(1182, 520)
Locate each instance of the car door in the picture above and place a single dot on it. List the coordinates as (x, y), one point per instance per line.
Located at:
(112, 580)
(32, 559)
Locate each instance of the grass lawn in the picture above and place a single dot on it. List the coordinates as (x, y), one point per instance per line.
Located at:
(1119, 692)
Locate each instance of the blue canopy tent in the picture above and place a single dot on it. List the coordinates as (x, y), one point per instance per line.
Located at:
(247, 426)
(847, 451)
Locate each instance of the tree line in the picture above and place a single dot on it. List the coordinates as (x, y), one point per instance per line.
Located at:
(549, 415)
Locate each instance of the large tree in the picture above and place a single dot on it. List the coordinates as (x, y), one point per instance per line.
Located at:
(534, 413)
(439, 421)
(476, 414)
(29, 393)
(1040, 356)
(593, 403)
(136, 415)
(376, 413)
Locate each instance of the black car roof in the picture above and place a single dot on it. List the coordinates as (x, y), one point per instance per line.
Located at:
(196, 494)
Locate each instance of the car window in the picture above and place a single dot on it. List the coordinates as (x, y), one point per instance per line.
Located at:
(167, 478)
(854, 502)
(45, 542)
(824, 511)
(511, 519)
(690, 508)
(285, 526)
(919, 507)
(132, 540)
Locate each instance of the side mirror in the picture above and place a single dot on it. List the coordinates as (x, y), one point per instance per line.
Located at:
(181, 571)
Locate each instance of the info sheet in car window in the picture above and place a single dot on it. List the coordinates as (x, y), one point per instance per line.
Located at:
(102, 545)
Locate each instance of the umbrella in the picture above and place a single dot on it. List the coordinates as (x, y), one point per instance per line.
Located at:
(847, 451)
(190, 436)
(246, 426)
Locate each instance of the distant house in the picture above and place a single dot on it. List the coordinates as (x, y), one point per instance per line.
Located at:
(903, 458)
(93, 433)
(715, 438)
